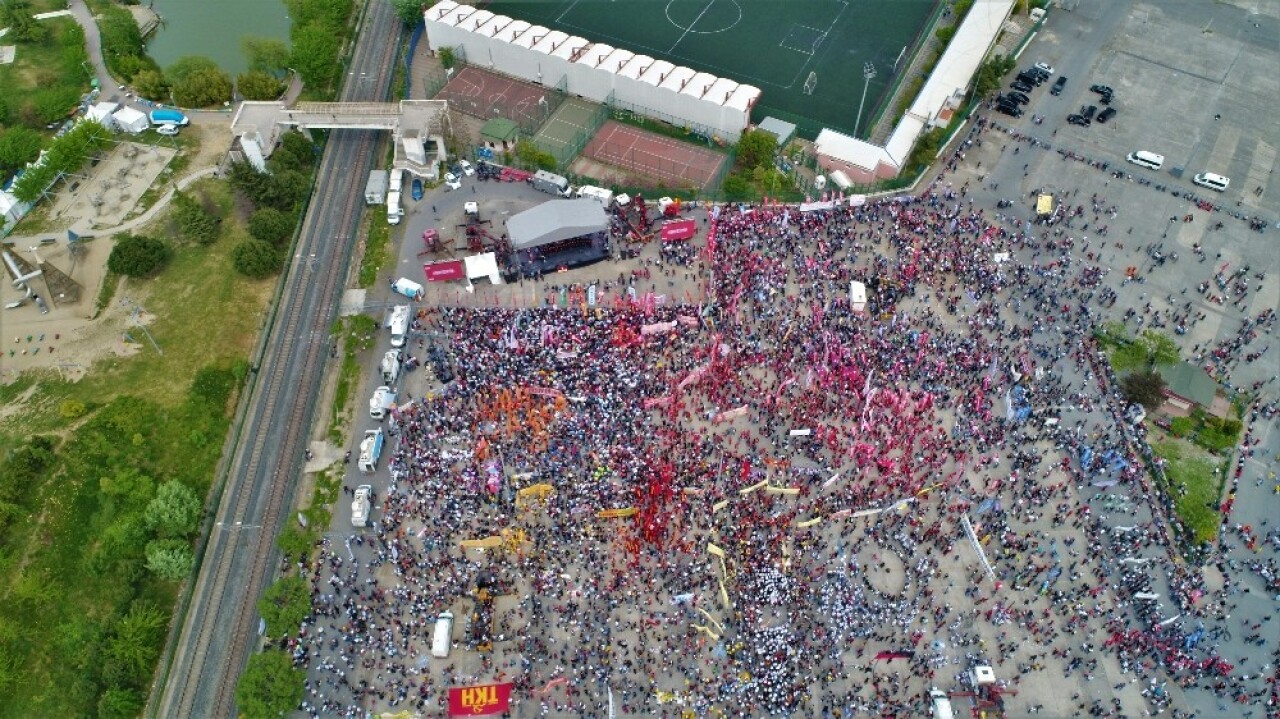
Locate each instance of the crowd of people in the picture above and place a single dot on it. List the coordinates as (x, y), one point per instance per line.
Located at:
(769, 500)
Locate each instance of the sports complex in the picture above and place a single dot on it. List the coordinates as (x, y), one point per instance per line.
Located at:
(806, 56)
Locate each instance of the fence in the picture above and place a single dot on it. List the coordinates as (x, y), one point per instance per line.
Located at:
(566, 149)
(641, 113)
(408, 57)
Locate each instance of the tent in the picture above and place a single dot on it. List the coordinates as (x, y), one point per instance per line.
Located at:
(101, 114)
(678, 230)
(131, 120)
(858, 296)
(482, 266)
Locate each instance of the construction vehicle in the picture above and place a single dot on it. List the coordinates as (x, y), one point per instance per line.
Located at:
(370, 451)
(361, 506)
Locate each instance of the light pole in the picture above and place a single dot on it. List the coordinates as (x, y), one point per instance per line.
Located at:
(868, 72)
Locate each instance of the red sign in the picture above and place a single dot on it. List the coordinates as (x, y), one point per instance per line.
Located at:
(480, 700)
(679, 230)
(441, 271)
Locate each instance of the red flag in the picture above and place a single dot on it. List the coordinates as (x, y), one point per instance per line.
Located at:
(479, 700)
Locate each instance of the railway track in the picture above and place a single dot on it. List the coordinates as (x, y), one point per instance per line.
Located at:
(220, 625)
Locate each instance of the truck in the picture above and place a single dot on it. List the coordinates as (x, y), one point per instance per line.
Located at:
(394, 212)
(395, 180)
(383, 399)
(599, 194)
(370, 451)
(361, 505)
(375, 188)
(941, 704)
(398, 323)
(167, 116)
(551, 184)
(390, 366)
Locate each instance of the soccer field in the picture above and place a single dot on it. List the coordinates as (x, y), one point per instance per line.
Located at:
(807, 56)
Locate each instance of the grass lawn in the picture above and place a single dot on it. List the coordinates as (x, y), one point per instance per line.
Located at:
(79, 610)
(1196, 489)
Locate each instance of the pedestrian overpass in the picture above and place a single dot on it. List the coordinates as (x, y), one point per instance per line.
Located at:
(417, 127)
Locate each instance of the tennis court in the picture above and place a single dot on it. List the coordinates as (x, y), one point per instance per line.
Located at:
(807, 56)
(567, 131)
(484, 94)
(661, 159)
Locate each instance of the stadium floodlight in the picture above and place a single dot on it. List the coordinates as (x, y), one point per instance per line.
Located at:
(868, 72)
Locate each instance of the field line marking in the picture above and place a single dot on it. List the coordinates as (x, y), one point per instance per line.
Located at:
(692, 25)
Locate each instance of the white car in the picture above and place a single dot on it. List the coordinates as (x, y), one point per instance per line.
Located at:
(1045, 66)
(169, 130)
(467, 169)
(452, 181)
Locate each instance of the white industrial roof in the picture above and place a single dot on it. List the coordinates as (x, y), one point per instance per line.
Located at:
(441, 9)
(636, 66)
(720, 90)
(617, 60)
(656, 73)
(743, 97)
(676, 79)
(495, 24)
(531, 37)
(596, 54)
(550, 42)
(475, 20)
(513, 30)
(849, 149)
(570, 48)
(700, 84)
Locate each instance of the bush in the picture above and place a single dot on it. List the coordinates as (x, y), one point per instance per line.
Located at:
(170, 559)
(945, 33)
(174, 512)
(284, 605)
(213, 386)
(270, 686)
(72, 409)
(138, 256)
(194, 222)
(204, 88)
(257, 85)
(255, 259)
(151, 84)
(1182, 426)
(18, 146)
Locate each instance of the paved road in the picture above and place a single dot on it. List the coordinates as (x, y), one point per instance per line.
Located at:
(219, 626)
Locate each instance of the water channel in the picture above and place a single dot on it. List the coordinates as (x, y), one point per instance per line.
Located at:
(213, 28)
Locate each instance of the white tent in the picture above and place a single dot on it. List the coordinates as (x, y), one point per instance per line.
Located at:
(858, 296)
(131, 120)
(101, 113)
(482, 266)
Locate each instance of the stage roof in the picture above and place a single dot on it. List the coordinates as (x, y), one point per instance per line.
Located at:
(556, 220)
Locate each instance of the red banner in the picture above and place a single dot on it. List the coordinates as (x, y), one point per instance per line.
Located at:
(480, 700)
(441, 271)
(678, 230)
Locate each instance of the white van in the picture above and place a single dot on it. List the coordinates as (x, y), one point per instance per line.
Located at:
(941, 704)
(1149, 160)
(1212, 181)
(442, 640)
(408, 288)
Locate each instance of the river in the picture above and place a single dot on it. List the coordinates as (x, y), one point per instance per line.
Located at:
(213, 28)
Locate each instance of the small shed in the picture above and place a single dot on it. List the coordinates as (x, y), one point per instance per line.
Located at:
(1188, 386)
(131, 120)
(780, 129)
(500, 134)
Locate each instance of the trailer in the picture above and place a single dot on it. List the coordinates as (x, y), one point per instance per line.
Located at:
(382, 401)
(370, 451)
(375, 188)
(551, 184)
(394, 211)
(390, 366)
(361, 506)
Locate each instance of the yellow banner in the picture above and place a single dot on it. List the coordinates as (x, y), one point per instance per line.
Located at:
(719, 506)
(615, 513)
(486, 543)
(789, 491)
(754, 487)
(713, 549)
(809, 522)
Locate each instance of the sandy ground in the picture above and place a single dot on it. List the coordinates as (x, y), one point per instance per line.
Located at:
(69, 339)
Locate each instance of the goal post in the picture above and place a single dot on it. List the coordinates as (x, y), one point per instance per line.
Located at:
(810, 83)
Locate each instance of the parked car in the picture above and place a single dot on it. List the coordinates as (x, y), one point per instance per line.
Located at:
(452, 182)
(1030, 78)
(1044, 67)
(1080, 120)
(415, 190)
(1020, 86)
(1058, 84)
(467, 169)
(1089, 112)
(1018, 97)
(1010, 110)
(169, 130)
(1100, 89)
(1107, 114)
(1106, 98)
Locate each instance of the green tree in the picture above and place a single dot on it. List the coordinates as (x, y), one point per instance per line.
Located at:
(18, 146)
(134, 644)
(1160, 348)
(120, 703)
(265, 54)
(284, 605)
(271, 225)
(1130, 355)
(174, 512)
(203, 88)
(1145, 388)
(258, 85)
(170, 558)
(293, 541)
(151, 84)
(991, 74)
(255, 259)
(54, 103)
(127, 486)
(448, 57)
(315, 55)
(270, 686)
(17, 15)
(194, 222)
(72, 409)
(188, 66)
(138, 256)
(756, 148)
(409, 11)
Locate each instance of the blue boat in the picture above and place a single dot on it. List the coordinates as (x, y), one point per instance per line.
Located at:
(168, 117)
